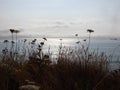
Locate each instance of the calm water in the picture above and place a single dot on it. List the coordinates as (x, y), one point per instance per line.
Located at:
(110, 47)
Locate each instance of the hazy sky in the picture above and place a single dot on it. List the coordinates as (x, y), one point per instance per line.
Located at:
(60, 17)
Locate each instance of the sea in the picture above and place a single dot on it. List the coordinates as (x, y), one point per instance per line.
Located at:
(110, 46)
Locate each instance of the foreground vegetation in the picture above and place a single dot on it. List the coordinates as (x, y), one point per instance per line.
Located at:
(73, 69)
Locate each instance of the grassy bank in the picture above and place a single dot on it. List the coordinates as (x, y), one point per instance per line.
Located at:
(73, 70)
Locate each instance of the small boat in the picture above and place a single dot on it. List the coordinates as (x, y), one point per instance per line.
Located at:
(113, 39)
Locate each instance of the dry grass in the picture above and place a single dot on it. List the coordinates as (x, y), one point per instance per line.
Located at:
(74, 70)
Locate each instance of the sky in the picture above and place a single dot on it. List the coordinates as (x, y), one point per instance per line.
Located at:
(60, 17)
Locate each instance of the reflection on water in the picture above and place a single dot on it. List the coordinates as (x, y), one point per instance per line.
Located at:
(102, 45)
(110, 47)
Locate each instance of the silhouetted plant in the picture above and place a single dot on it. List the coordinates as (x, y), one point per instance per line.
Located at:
(11, 52)
(6, 42)
(60, 47)
(45, 39)
(16, 50)
(84, 40)
(33, 47)
(89, 31)
(75, 69)
(24, 50)
(78, 40)
(12, 31)
(40, 47)
(5, 50)
(16, 31)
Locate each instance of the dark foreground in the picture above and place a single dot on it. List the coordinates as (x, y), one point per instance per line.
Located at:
(69, 72)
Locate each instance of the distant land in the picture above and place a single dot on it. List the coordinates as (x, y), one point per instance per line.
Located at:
(55, 36)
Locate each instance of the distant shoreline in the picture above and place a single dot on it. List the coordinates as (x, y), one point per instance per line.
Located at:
(81, 37)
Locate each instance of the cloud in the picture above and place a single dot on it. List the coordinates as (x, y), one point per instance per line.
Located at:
(60, 26)
(56, 24)
(4, 33)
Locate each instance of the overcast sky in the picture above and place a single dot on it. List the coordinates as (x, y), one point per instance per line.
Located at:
(60, 17)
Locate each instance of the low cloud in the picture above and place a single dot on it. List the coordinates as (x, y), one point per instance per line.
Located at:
(60, 26)
(64, 27)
